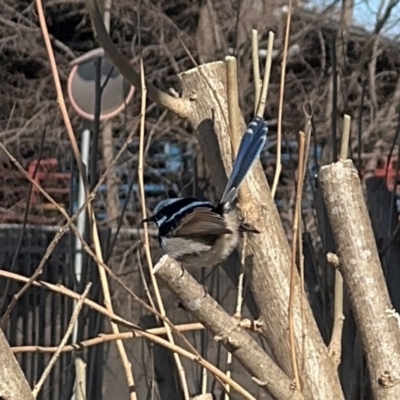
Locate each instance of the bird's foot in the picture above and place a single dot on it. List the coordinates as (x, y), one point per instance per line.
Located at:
(246, 227)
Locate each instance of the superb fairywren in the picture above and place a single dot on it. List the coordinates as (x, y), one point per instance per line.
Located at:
(197, 233)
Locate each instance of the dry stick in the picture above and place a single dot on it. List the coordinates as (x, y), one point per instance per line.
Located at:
(75, 148)
(238, 312)
(59, 91)
(296, 231)
(233, 115)
(178, 362)
(64, 341)
(108, 303)
(256, 69)
(93, 305)
(302, 284)
(281, 93)
(233, 101)
(267, 74)
(344, 148)
(102, 339)
(335, 345)
(110, 337)
(308, 131)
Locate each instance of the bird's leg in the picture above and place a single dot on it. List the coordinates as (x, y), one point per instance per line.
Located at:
(244, 226)
(203, 281)
(182, 272)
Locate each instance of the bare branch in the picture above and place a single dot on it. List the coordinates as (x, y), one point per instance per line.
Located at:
(267, 74)
(362, 272)
(256, 69)
(296, 232)
(13, 384)
(226, 329)
(178, 106)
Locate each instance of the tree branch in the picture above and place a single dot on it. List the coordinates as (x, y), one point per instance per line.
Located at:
(178, 106)
(362, 272)
(268, 254)
(13, 384)
(226, 329)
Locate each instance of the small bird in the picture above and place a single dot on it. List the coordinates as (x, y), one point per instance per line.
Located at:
(197, 233)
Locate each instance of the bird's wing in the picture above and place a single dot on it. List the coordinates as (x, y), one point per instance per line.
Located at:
(202, 221)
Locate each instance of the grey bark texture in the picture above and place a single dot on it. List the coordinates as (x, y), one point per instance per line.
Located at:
(13, 384)
(363, 276)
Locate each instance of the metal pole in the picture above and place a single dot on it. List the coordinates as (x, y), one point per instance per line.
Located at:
(81, 222)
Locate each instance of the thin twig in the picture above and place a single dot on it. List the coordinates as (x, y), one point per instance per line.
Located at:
(256, 69)
(238, 311)
(103, 338)
(64, 341)
(181, 370)
(25, 218)
(233, 110)
(80, 372)
(110, 337)
(308, 133)
(77, 155)
(267, 74)
(334, 113)
(296, 230)
(233, 101)
(344, 148)
(281, 93)
(335, 345)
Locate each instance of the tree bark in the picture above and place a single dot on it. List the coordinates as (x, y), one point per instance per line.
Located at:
(268, 254)
(363, 276)
(112, 200)
(13, 384)
(226, 330)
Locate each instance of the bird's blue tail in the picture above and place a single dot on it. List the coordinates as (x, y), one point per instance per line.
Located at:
(250, 148)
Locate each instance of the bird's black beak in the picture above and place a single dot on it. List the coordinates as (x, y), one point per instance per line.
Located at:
(150, 219)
